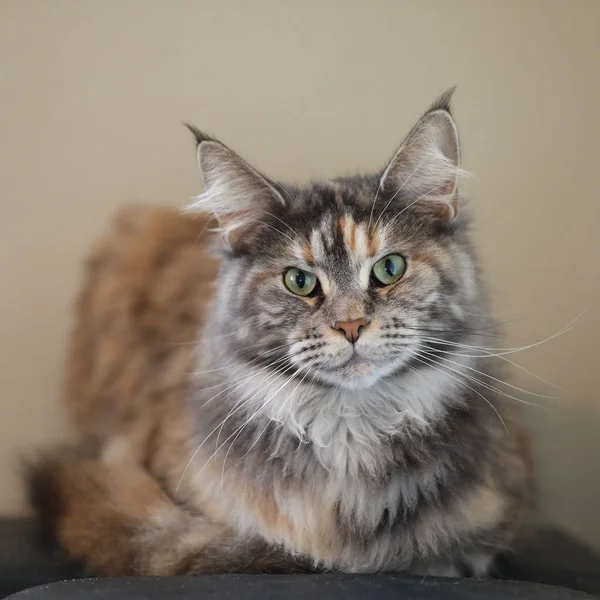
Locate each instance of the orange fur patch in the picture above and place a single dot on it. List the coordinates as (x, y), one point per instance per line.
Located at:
(428, 259)
(374, 242)
(347, 227)
(307, 252)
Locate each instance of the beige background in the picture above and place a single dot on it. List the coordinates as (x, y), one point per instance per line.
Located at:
(91, 98)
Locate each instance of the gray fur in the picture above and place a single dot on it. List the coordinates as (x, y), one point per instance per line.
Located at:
(419, 464)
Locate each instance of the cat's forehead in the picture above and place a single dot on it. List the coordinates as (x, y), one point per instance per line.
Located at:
(338, 219)
(338, 225)
(334, 232)
(343, 246)
(343, 194)
(340, 236)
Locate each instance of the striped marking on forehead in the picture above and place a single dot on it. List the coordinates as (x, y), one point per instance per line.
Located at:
(359, 242)
(336, 236)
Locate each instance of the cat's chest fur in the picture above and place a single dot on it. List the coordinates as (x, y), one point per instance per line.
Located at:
(353, 523)
(353, 480)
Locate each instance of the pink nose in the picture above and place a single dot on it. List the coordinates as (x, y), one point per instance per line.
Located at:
(351, 329)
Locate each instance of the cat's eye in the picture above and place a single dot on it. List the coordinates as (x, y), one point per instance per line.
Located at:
(388, 270)
(299, 282)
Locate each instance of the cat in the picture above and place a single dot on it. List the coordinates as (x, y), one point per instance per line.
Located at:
(283, 379)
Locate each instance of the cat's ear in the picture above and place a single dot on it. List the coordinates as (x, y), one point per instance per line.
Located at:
(234, 192)
(426, 168)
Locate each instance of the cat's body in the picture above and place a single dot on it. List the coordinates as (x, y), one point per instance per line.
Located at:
(353, 428)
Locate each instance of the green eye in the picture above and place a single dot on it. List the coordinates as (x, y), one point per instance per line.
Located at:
(301, 283)
(388, 270)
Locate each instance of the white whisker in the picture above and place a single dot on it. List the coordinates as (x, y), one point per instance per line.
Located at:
(268, 379)
(422, 360)
(243, 426)
(220, 425)
(278, 219)
(258, 356)
(510, 385)
(502, 351)
(485, 385)
(374, 202)
(274, 417)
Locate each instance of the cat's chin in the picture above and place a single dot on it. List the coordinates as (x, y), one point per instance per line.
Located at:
(358, 373)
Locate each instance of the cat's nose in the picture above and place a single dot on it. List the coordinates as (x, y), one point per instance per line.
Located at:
(351, 329)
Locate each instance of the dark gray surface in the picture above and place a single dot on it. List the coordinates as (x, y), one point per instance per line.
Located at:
(295, 587)
(549, 557)
(26, 561)
(554, 558)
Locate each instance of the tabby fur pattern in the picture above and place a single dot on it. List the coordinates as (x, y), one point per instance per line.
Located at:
(227, 424)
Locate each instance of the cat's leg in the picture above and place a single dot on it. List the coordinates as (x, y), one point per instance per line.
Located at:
(435, 568)
(476, 564)
(117, 521)
(472, 564)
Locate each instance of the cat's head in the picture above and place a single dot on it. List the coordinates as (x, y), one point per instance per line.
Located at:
(342, 281)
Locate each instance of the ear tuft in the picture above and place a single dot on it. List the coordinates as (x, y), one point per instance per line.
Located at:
(444, 102)
(199, 136)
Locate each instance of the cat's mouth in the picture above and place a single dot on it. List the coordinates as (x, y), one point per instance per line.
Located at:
(355, 372)
(354, 359)
(356, 365)
(359, 369)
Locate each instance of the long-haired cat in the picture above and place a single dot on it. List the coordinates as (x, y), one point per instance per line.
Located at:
(317, 397)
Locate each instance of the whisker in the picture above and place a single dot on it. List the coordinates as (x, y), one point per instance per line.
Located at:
(502, 351)
(485, 385)
(201, 340)
(217, 427)
(468, 386)
(236, 383)
(275, 229)
(277, 374)
(257, 357)
(282, 222)
(374, 202)
(280, 409)
(510, 385)
(485, 354)
(239, 430)
(229, 382)
(476, 332)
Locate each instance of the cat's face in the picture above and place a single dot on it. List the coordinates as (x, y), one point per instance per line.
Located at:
(345, 281)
